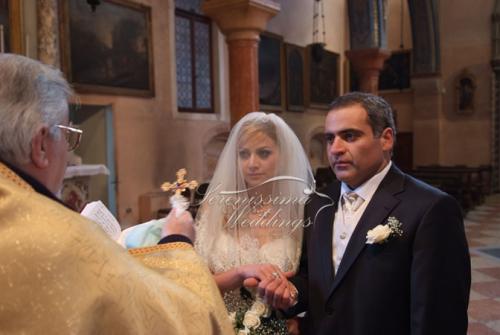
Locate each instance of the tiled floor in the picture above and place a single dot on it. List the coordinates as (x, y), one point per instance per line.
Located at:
(482, 226)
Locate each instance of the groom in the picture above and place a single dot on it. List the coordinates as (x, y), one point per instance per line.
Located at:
(411, 274)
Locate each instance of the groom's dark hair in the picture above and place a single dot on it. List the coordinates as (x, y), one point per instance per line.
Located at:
(379, 111)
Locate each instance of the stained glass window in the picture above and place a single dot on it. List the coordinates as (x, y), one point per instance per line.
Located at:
(193, 58)
(189, 6)
(184, 62)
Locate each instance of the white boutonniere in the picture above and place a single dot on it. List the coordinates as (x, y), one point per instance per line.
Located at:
(381, 233)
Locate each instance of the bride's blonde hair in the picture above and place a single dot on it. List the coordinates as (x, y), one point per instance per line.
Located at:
(252, 127)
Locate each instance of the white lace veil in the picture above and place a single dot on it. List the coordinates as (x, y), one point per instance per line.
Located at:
(223, 237)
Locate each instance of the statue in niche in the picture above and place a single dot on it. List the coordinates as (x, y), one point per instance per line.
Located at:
(466, 94)
(465, 88)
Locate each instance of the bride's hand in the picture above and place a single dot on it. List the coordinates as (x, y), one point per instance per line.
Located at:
(272, 284)
(252, 274)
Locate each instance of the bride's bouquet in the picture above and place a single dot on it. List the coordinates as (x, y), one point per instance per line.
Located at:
(258, 319)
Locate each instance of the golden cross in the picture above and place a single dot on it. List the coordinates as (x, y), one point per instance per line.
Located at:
(180, 185)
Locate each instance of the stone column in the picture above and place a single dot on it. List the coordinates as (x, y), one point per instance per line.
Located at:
(48, 41)
(367, 63)
(241, 21)
(243, 77)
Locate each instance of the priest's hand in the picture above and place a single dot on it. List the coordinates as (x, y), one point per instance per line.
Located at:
(182, 225)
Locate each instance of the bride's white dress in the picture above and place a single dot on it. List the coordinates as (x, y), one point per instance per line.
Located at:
(229, 252)
(240, 223)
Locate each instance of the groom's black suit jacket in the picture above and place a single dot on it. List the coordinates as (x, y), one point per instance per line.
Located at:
(417, 283)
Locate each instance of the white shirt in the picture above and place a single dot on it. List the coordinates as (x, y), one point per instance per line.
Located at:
(345, 221)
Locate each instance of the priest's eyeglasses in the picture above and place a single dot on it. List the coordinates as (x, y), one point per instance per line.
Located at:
(72, 135)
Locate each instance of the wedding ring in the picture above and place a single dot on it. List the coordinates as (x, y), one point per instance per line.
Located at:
(275, 275)
(294, 294)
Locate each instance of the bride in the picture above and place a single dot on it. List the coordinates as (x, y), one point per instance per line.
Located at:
(250, 222)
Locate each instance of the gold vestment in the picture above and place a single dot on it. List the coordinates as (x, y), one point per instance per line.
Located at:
(61, 274)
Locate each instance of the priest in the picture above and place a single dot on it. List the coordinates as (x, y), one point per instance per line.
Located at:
(60, 273)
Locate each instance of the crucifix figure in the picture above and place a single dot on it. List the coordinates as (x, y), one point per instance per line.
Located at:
(180, 185)
(177, 201)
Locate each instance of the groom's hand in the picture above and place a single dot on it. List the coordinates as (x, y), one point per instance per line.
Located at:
(182, 225)
(278, 292)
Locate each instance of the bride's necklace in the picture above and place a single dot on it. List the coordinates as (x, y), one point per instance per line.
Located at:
(260, 209)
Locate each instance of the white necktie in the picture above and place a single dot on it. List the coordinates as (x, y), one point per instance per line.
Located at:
(352, 201)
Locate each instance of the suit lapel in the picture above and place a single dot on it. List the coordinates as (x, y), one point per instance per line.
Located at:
(381, 204)
(324, 233)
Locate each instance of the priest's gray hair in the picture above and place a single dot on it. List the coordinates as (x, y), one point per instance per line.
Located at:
(31, 95)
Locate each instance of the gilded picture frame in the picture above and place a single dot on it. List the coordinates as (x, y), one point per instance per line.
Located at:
(11, 39)
(295, 77)
(322, 79)
(108, 51)
(396, 73)
(271, 72)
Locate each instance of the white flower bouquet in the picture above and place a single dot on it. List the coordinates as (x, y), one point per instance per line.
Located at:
(259, 319)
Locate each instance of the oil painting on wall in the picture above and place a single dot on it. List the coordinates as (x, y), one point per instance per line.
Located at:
(109, 50)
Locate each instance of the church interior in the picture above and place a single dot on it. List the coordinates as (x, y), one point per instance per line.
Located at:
(159, 84)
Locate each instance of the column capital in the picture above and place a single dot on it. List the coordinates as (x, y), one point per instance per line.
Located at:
(241, 19)
(371, 58)
(367, 64)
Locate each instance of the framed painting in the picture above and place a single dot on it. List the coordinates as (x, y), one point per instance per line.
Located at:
(295, 97)
(322, 78)
(395, 74)
(353, 79)
(271, 72)
(108, 51)
(11, 37)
